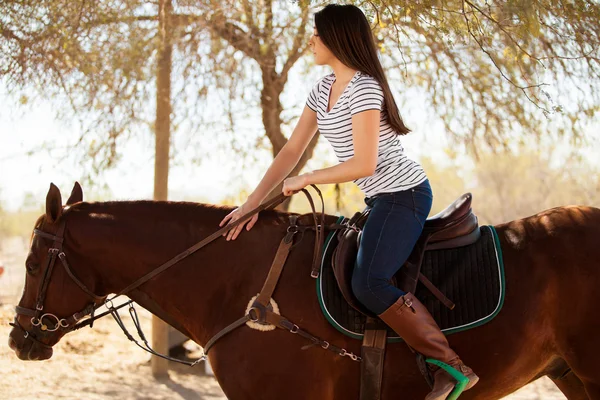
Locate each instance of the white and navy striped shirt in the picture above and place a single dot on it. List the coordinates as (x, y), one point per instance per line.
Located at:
(394, 171)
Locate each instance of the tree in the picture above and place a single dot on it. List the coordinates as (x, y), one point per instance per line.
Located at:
(497, 72)
(100, 56)
(503, 61)
(104, 56)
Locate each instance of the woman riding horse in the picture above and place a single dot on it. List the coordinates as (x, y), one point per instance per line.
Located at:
(354, 109)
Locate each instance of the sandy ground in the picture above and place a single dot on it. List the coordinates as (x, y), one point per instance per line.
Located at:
(100, 363)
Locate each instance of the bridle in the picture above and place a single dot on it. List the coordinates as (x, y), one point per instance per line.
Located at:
(41, 320)
(46, 321)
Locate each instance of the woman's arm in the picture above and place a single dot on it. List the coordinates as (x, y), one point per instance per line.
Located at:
(288, 156)
(365, 137)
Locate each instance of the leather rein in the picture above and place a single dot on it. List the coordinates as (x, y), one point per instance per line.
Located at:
(43, 322)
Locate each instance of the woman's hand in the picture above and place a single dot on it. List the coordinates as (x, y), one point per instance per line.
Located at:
(294, 184)
(236, 214)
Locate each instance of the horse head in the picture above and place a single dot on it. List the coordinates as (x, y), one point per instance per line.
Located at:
(52, 301)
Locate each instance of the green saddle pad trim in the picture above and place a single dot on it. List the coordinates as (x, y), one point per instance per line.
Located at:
(446, 331)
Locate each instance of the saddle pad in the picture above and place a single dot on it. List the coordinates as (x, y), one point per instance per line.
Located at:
(471, 276)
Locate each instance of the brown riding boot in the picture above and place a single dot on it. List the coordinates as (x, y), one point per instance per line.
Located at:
(412, 321)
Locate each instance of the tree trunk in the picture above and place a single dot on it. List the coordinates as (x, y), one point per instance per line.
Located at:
(271, 116)
(162, 128)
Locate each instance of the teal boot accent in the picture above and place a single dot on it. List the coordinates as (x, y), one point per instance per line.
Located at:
(462, 380)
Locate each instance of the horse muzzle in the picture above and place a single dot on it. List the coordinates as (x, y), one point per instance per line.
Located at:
(26, 349)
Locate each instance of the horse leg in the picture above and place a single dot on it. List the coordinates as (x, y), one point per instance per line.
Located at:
(571, 386)
(592, 389)
(581, 351)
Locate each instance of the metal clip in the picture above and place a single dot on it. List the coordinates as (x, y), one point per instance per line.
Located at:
(352, 356)
(112, 306)
(203, 357)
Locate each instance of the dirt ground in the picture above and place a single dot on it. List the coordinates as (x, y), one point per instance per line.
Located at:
(100, 363)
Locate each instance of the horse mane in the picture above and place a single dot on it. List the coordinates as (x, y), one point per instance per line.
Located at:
(182, 211)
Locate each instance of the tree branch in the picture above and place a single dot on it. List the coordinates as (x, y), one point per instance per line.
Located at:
(236, 36)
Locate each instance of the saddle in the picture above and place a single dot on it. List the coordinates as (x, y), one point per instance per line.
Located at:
(455, 226)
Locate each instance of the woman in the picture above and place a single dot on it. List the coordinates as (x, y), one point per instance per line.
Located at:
(354, 109)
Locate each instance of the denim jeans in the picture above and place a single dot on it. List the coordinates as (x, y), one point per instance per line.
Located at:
(388, 237)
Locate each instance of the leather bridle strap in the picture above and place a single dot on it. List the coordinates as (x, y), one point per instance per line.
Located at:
(271, 203)
(319, 231)
(263, 314)
(51, 261)
(63, 259)
(260, 313)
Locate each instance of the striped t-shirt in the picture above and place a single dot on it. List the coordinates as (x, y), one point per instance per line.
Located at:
(394, 171)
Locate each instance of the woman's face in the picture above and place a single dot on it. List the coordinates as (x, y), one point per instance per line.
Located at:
(322, 54)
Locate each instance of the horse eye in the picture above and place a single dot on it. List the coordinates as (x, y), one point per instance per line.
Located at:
(30, 265)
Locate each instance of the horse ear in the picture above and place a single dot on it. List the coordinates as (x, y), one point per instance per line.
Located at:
(76, 194)
(53, 204)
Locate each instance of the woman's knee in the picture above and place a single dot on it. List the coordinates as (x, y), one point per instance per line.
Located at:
(365, 290)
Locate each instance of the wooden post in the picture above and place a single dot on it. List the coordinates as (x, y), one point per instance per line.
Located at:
(160, 331)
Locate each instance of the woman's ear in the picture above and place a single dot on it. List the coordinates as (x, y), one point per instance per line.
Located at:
(53, 204)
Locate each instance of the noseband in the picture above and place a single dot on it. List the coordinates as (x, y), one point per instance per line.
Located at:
(45, 321)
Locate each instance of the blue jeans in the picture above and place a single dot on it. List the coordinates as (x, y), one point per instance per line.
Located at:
(388, 237)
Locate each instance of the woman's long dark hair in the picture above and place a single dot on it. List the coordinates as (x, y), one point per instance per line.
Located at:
(345, 31)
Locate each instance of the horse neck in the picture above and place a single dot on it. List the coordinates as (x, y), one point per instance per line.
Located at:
(199, 293)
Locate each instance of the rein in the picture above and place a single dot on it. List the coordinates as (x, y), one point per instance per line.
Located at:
(48, 322)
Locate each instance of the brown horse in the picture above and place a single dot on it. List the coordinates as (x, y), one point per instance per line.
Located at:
(549, 324)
